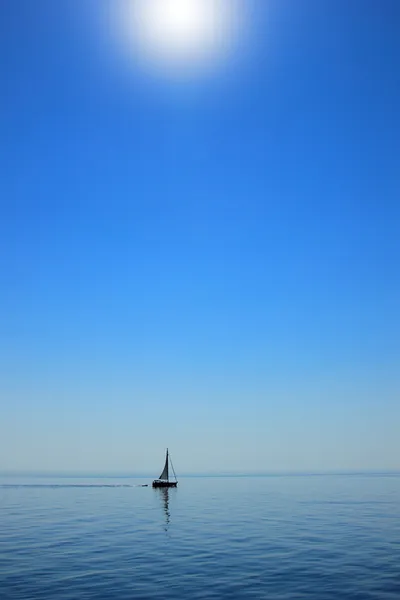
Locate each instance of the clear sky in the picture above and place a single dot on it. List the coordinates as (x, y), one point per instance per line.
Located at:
(209, 264)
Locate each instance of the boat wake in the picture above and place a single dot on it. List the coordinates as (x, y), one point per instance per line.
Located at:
(63, 485)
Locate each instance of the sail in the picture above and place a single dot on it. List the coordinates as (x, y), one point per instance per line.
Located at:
(164, 474)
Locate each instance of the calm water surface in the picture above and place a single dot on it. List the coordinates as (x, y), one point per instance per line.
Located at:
(321, 537)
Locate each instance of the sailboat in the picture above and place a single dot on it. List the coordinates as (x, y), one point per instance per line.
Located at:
(164, 481)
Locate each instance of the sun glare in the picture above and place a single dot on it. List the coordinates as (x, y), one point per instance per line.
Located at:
(180, 33)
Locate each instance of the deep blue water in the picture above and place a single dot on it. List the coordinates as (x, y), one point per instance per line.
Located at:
(321, 537)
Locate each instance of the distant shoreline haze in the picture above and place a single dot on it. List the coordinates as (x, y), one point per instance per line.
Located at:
(148, 475)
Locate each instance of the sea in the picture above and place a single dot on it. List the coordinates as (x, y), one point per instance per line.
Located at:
(320, 537)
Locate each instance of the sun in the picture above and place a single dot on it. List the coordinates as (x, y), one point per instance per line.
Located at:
(180, 32)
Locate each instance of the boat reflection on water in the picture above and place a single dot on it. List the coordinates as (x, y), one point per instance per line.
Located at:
(165, 486)
(165, 497)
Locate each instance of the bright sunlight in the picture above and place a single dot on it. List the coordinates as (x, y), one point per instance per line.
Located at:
(180, 33)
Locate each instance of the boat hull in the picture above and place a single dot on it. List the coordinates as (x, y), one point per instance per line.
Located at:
(164, 484)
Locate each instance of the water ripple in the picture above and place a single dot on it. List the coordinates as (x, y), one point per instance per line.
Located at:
(284, 538)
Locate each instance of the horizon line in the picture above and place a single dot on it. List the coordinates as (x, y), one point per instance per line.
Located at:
(146, 474)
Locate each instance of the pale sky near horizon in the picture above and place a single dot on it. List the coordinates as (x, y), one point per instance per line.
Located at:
(205, 262)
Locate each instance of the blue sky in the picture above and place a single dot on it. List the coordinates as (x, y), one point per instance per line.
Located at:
(209, 264)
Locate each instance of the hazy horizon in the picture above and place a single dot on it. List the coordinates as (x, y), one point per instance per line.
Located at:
(151, 475)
